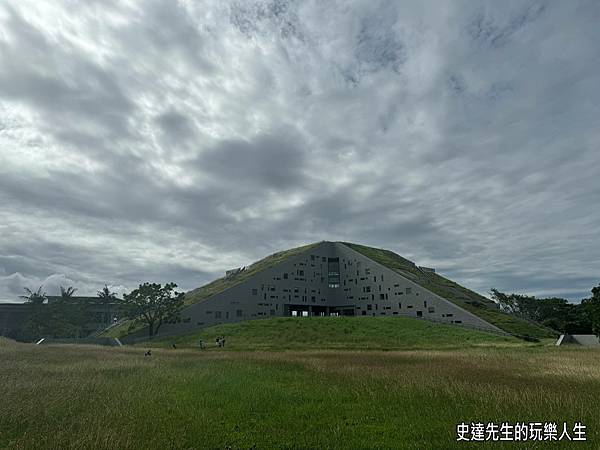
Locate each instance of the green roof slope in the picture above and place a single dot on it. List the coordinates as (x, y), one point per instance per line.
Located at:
(454, 292)
(222, 284)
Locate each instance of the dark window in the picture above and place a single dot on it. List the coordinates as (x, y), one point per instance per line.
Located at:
(381, 296)
(419, 313)
(431, 309)
(333, 272)
(254, 291)
(425, 304)
(367, 288)
(364, 313)
(285, 276)
(399, 305)
(272, 312)
(369, 307)
(238, 313)
(217, 314)
(458, 321)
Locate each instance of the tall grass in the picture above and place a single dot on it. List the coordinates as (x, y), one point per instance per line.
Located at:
(74, 397)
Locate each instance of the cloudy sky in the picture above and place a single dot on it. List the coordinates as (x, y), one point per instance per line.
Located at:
(165, 141)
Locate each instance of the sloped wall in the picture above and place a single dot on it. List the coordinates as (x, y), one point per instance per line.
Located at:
(375, 290)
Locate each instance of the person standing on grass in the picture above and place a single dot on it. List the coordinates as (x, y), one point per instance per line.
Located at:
(222, 341)
(201, 344)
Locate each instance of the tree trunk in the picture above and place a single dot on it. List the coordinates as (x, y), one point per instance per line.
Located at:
(151, 329)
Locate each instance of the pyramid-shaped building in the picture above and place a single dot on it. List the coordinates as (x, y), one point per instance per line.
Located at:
(337, 278)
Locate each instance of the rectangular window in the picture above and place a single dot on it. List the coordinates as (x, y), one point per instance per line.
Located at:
(419, 313)
(333, 272)
(272, 312)
(381, 296)
(238, 313)
(254, 291)
(285, 276)
(217, 314)
(369, 307)
(431, 310)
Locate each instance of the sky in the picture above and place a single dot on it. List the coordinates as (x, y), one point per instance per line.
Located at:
(165, 141)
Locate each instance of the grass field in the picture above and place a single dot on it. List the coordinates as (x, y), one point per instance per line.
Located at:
(116, 398)
(347, 333)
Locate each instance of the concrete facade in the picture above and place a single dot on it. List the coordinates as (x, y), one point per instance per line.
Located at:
(328, 279)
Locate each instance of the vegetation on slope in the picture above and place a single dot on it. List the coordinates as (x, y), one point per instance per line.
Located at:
(364, 333)
(88, 397)
(222, 284)
(454, 292)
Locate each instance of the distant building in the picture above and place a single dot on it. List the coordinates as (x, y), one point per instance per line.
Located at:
(97, 314)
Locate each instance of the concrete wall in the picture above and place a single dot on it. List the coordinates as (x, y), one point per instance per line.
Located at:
(301, 284)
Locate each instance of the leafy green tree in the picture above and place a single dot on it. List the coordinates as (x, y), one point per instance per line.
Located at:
(152, 304)
(555, 313)
(592, 308)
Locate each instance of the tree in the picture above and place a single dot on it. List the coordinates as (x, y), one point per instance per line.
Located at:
(36, 323)
(592, 308)
(37, 298)
(107, 298)
(152, 305)
(68, 292)
(106, 295)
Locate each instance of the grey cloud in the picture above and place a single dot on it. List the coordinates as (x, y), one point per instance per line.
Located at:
(268, 161)
(152, 142)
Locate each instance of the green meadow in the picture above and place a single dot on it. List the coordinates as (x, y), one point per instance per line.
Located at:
(267, 389)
